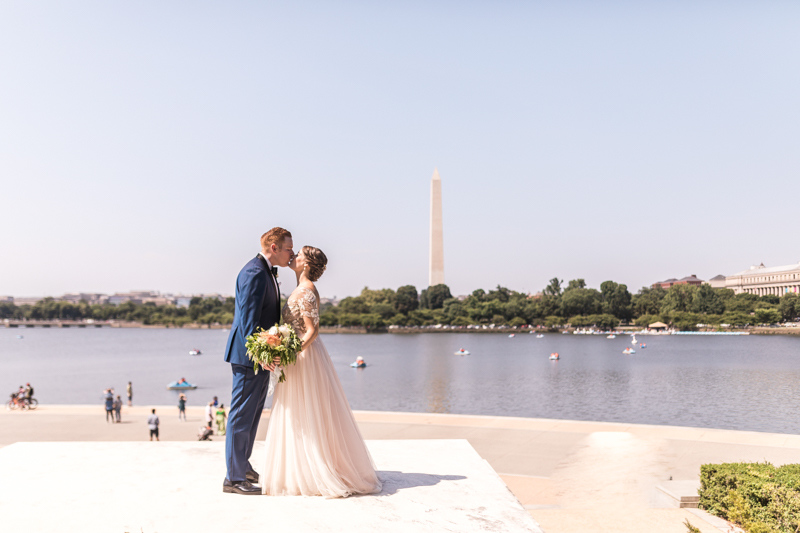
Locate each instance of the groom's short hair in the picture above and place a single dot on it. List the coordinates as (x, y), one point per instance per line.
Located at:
(274, 236)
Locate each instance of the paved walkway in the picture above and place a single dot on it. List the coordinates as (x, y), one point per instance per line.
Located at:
(572, 476)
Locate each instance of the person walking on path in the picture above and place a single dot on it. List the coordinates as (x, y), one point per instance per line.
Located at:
(152, 423)
(182, 407)
(118, 409)
(257, 304)
(210, 413)
(109, 405)
(221, 417)
(130, 394)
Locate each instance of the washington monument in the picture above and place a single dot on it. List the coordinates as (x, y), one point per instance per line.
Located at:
(436, 273)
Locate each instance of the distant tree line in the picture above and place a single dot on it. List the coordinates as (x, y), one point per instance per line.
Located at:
(200, 311)
(682, 306)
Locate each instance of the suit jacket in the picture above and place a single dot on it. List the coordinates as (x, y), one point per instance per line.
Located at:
(257, 305)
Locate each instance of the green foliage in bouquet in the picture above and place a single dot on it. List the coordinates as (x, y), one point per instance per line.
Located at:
(278, 341)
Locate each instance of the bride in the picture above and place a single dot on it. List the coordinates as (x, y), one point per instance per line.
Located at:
(314, 446)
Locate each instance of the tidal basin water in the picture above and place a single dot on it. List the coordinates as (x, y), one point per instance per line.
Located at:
(746, 383)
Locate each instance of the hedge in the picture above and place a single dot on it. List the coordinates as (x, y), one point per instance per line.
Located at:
(758, 497)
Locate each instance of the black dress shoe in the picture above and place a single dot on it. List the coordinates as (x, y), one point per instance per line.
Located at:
(252, 476)
(240, 487)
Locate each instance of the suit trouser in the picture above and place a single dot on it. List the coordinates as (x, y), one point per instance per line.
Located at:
(247, 402)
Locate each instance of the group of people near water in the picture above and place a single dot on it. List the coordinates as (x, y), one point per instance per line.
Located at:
(215, 411)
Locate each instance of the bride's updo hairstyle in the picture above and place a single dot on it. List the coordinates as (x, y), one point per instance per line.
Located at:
(316, 262)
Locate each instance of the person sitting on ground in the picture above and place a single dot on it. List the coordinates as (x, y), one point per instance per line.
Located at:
(206, 432)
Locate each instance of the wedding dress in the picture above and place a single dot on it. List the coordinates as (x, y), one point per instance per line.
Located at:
(314, 446)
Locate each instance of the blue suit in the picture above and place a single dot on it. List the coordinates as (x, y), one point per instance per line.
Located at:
(257, 305)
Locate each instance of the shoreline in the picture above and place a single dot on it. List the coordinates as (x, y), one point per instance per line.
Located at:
(355, 330)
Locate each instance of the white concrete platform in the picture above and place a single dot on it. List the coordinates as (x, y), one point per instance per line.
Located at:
(164, 487)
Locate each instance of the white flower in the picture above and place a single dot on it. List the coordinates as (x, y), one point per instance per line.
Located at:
(285, 331)
(273, 330)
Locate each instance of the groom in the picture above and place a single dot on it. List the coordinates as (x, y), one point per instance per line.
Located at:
(258, 301)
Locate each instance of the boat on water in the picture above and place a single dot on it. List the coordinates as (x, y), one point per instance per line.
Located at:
(540, 336)
(195, 352)
(633, 340)
(628, 351)
(462, 351)
(554, 356)
(643, 345)
(181, 385)
(511, 336)
(612, 336)
(358, 363)
(20, 337)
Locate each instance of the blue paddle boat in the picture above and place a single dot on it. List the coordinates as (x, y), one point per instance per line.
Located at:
(181, 385)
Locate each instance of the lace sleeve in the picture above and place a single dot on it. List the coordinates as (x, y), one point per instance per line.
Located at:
(306, 305)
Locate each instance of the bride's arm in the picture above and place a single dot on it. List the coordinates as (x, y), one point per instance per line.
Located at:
(312, 330)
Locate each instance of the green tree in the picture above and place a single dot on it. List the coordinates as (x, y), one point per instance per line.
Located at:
(575, 284)
(554, 288)
(354, 305)
(789, 306)
(517, 322)
(767, 316)
(383, 309)
(581, 302)
(678, 299)
(771, 299)
(742, 303)
(736, 318)
(645, 320)
(706, 300)
(683, 321)
(616, 300)
(433, 297)
(407, 299)
(372, 321)
(382, 296)
(648, 301)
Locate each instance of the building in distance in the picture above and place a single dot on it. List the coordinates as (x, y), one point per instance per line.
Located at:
(761, 280)
(688, 280)
(717, 282)
(135, 297)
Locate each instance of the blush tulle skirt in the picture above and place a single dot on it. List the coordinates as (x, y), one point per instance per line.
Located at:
(314, 447)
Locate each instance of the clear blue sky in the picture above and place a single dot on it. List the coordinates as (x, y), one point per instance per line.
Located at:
(147, 145)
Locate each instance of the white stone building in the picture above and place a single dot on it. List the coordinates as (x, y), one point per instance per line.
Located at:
(761, 280)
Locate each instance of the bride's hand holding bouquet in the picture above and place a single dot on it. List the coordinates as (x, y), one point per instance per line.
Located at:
(277, 346)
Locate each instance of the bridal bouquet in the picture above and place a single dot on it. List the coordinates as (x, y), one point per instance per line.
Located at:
(278, 341)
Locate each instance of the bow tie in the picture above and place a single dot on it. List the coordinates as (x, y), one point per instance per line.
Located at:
(275, 271)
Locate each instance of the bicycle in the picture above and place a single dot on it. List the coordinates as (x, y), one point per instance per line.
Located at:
(23, 404)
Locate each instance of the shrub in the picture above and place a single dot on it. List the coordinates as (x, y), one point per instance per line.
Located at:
(759, 497)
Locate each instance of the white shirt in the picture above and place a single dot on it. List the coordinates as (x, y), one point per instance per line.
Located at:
(274, 278)
(209, 414)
